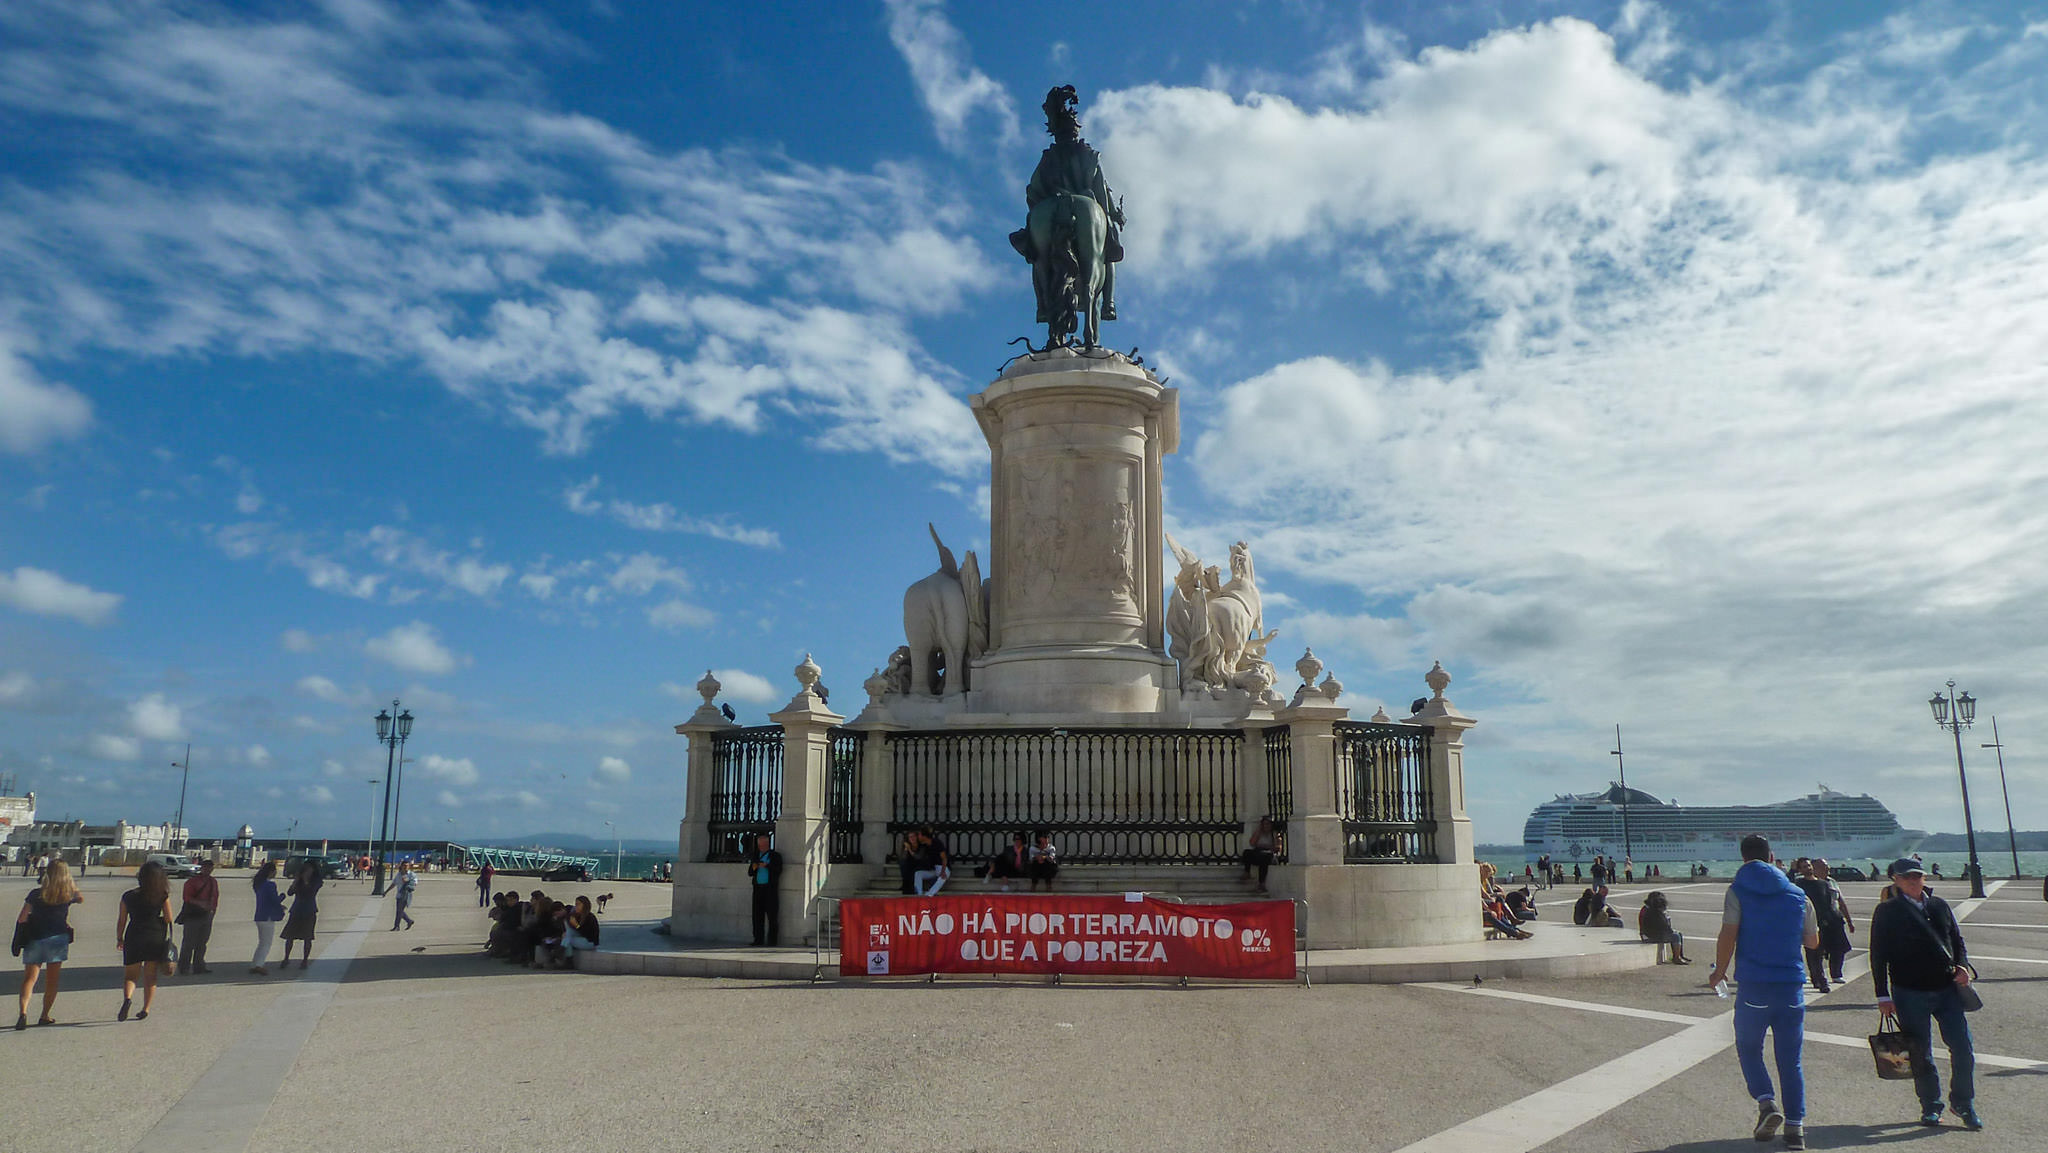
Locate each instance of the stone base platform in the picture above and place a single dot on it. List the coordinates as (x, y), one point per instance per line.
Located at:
(1556, 951)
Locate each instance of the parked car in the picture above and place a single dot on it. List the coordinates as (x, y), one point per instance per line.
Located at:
(174, 865)
(331, 868)
(1847, 873)
(575, 873)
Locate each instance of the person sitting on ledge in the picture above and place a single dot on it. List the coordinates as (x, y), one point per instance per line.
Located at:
(1592, 909)
(1653, 924)
(1521, 904)
(580, 933)
(1044, 863)
(1012, 864)
(935, 865)
(1260, 851)
(1495, 912)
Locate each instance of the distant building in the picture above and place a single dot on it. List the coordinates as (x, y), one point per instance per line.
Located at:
(78, 841)
(16, 815)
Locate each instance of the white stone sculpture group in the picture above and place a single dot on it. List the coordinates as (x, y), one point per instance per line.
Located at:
(1217, 627)
(945, 621)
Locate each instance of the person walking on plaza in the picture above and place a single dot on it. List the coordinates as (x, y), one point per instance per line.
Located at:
(269, 911)
(408, 883)
(202, 898)
(483, 885)
(1766, 926)
(42, 937)
(142, 931)
(305, 914)
(1921, 969)
(764, 871)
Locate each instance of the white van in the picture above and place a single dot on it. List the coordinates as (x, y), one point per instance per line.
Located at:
(174, 865)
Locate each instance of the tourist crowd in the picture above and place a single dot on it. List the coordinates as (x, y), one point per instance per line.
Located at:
(540, 932)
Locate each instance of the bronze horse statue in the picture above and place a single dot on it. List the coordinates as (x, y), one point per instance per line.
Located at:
(1070, 234)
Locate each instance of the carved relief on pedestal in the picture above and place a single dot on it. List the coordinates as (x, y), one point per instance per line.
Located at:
(1073, 536)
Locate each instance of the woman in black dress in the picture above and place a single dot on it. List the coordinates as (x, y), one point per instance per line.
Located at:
(142, 931)
(299, 923)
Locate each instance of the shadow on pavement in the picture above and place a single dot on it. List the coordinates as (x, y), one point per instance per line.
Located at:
(1820, 1137)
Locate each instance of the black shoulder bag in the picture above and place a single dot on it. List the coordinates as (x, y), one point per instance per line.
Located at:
(1972, 1000)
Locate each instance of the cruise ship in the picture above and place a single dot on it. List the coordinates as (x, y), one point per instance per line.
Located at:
(1827, 824)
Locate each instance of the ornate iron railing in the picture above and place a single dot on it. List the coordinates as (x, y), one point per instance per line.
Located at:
(746, 789)
(1279, 747)
(842, 797)
(1107, 796)
(1383, 793)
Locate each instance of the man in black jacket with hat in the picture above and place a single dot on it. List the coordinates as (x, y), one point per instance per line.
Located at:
(1921, 967)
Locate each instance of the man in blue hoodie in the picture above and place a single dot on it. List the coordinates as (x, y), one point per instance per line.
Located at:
(1767, 925)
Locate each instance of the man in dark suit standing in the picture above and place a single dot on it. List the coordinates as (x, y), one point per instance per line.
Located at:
(764, 874)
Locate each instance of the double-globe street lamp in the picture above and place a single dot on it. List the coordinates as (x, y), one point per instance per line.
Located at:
(391, 733)
(1956, 713)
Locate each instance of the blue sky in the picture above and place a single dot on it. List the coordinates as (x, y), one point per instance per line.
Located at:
(1677, 366)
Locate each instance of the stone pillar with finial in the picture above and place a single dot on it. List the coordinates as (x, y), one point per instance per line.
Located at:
(802, 834)
(1447, 727)
(693, 842)
(1315, 833)
(877, 772)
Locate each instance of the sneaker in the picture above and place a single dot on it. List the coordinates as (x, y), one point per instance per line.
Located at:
(1931, 1117)
(1795, 1135)
(1768, 1118)
(1969, 1115)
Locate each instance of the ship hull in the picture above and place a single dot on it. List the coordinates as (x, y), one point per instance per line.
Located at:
(1729, 848)
(1624, 822)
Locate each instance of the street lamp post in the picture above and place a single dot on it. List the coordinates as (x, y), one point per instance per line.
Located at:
(1956, 713)
(617, 841)
(179, 823)
(398, 797)
(1628, 848)
(370, 830)
(391, 733)
(2012, 838)
(291, 837)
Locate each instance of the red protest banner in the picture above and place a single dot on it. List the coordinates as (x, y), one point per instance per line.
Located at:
(1127, 934)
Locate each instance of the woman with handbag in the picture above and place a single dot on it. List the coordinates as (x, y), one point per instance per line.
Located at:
(305, 914)
(269, 911)
(142, 931)
(42, 934)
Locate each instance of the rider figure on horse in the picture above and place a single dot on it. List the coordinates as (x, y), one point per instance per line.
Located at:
(1069, 167)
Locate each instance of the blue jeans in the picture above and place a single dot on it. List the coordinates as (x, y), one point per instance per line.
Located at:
(1781, 1008)
(1945, 1008)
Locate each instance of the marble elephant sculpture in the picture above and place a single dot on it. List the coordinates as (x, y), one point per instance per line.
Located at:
(941, 619)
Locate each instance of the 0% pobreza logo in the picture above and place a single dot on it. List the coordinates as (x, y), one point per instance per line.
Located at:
(1255, 940)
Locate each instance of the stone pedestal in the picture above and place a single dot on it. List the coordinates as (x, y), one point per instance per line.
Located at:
(1077, 611)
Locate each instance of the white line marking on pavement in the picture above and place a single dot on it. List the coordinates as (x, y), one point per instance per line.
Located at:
(1550, 1113)
(2002, 925)
(1562, 1003)
(223, 1108)
(1982, 1058)
(1547, 1114)
(2013, 960)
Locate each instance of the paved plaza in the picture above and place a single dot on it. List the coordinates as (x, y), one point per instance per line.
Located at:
(411, 1040)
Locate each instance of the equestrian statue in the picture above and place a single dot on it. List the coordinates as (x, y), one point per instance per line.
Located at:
(1070, 234)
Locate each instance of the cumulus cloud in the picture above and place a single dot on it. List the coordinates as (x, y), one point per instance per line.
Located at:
(641, 573)
(297, 641)
(460, 772)
(953, 90)
(113, 748)
(316, 795)
(156, 718)
(323, 689)
(44, 593)
(258, 756)
(678, 614)
(416, 648)
(741, 685)
(661, 517)
(447, 799)
(15, 686)
(614, 770)
(34, 412)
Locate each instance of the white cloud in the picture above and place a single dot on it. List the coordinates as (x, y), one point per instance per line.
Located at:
(44, 593)
(417, 648)
(540, 586)
(333, 768)
(258, 756)
(323, 689)
(527, 799)
(953, 90)
(662, 518)
(298, 641)
(15, 686)
(458, 772)
(316, 795)
(470, 574)
(447, 800)
(741, 685)
(614, 770)
(33, 412)
(426, 698)
(639, 574)
(112, 748)
(677, 614)
(157, 719)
